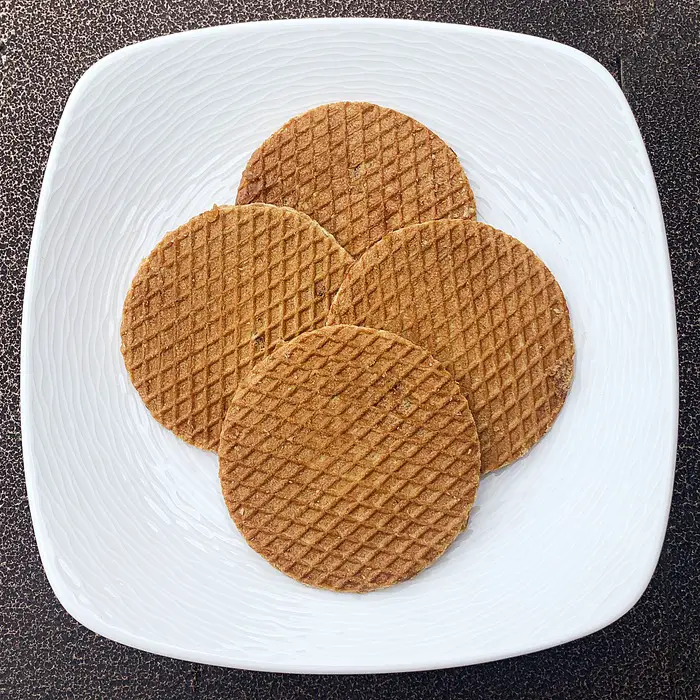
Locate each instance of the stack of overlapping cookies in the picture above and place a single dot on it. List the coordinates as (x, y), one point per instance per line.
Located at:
(357, 348)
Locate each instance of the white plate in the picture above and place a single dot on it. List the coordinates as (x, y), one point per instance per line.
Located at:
(130, 523)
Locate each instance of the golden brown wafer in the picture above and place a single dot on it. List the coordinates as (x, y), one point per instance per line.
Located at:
(485, 306)
(360, 170)
(349, 459)
(211, 301)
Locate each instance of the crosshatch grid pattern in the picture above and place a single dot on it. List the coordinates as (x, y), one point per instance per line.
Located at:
(211, 301)
(360, 170)
(350, 460)
(487, 308)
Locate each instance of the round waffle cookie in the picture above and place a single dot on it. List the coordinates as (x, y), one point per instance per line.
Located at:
(485, 306)
(349, 459)
(360, 170)
(213, 298)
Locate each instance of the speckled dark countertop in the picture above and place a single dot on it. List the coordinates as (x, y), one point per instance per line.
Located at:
(652, 653)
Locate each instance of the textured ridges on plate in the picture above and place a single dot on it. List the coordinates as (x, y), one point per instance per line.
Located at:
(116, 504)
(485, 306)
(360, 170)
(350, 459)
(213, 298)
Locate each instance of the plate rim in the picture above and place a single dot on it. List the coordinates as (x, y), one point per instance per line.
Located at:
(44, 541)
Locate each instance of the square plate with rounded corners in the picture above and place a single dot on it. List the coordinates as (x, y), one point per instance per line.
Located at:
(130, 522)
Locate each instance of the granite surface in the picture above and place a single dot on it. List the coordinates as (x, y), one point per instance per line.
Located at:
(653, 652)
